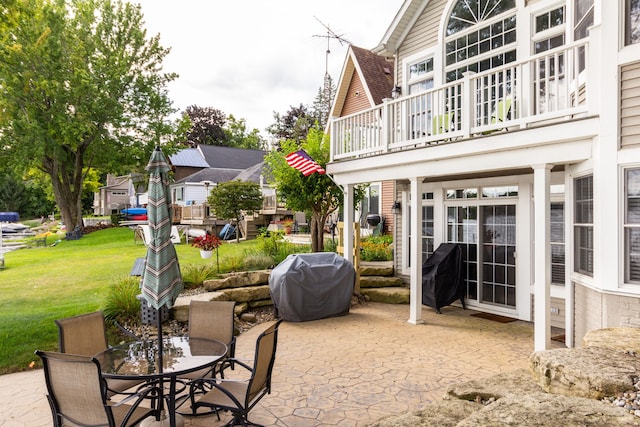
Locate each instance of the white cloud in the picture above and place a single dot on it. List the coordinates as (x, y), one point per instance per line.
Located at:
(250, 58)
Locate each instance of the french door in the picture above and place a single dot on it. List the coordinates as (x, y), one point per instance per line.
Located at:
(487, 234)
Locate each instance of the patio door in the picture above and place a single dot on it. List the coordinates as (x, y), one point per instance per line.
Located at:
(498, 234)
(487, 234)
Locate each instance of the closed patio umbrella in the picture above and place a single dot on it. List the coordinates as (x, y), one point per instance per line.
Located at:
(161, 278)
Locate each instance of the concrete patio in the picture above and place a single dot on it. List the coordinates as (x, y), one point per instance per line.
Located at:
(345, 371)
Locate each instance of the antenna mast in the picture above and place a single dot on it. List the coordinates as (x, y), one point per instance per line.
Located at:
(327, 78)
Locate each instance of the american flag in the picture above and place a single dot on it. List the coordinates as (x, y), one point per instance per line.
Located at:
(304, 163)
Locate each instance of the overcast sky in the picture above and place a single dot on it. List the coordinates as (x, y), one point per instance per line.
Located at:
(250, 58)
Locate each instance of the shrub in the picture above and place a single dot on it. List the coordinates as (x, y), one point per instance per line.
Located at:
(232, 263)
(376, 248)
(254, 260)
(277, 248)
(194, 275)
(330, 245)
(122, 303)
(269, 242)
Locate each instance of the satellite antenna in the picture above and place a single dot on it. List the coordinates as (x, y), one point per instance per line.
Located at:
(327, 78)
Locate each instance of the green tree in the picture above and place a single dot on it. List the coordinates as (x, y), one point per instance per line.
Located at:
(321, 106)
(80, 88)
(315, 193)
(233, 199)
(294, 124)
(239, 137)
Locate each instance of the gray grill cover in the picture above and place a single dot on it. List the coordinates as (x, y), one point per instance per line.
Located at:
(312, 286)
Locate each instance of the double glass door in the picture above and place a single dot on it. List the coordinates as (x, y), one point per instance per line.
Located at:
(487, 234)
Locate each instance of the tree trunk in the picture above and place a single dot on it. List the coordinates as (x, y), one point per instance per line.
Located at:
(67, 191)
(318, 219)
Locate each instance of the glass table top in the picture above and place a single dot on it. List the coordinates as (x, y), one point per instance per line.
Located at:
(179, 355)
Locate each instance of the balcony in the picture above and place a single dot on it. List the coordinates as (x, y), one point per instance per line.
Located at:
(547, 88)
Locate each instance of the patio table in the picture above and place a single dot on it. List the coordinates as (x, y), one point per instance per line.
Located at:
(180, 355)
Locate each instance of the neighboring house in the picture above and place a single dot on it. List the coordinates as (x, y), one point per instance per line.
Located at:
(187, 162)
(121, 192)
(197, 169)
(213, 165)
(366, 80)
(515, 133)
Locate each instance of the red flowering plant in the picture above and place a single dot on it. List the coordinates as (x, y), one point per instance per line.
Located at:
(208, 242)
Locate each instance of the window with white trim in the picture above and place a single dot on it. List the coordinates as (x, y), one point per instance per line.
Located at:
(419, 109)
(549, 30)
(420, 76)
(481, 35)
(632, 226)
(632, 22)
(428, 240)
(556, 238)
(583, 11)
(583, 225)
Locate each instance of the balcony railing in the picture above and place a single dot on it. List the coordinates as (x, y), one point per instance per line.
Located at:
(548, 87)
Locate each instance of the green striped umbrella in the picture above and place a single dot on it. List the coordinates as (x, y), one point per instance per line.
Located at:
(161, 279)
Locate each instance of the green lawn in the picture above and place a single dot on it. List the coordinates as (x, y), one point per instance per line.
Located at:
(42, 284)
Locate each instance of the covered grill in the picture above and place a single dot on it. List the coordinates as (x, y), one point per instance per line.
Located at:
(442, 278)
(312, 286)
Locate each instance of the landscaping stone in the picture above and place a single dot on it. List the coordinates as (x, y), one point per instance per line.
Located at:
(516, 382)
(180, 309)
(380, 282)
(549, 410)
(511, 399)
(393, 295)
(238, 280)
(376, 270)
(247, 294)
(441, 414)
(623, 338)
(591, 372)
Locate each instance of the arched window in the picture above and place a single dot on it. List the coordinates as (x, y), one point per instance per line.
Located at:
(480, 35)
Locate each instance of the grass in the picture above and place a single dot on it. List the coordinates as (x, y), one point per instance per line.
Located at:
(42, 284)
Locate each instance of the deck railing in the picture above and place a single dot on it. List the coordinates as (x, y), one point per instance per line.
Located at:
(550, 86)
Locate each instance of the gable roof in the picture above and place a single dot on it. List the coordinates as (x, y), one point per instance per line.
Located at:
(190, 157)
(229, 157)
(376, 75)
(252, 174)
(402, 23)
(211, 174)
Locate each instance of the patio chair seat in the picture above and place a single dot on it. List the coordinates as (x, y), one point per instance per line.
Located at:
(239, 397)
(77, 394)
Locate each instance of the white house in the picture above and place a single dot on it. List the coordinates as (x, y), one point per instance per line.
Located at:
(514, 130)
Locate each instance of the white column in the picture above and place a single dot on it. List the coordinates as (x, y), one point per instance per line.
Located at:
(348, 222)
(542, 257)
(415, 302)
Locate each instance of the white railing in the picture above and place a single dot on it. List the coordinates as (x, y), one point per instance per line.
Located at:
(550, 86)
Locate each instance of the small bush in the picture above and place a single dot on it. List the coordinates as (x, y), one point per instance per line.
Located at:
(122, 303)
(232, 263)
(269, 242)
(331, 245)
(257, 261)
(194, 275)
(376, 248)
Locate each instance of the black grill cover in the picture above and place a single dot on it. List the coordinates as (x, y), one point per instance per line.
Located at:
(312, 286)
(442, 279)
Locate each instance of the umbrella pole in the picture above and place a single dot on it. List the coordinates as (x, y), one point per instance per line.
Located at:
(160, 366)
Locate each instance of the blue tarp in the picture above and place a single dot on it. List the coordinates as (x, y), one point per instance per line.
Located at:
(9, 217)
